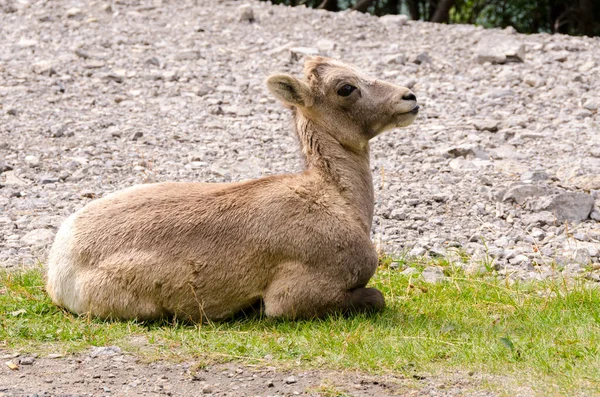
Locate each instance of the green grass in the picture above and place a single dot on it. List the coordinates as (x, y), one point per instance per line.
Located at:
(544, 335)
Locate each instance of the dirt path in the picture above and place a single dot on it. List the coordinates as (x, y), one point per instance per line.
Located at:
(106, 372)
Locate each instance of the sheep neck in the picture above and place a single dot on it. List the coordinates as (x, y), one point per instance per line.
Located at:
(347, 170)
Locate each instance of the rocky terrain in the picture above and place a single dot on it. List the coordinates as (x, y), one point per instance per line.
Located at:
(502, 167)
(106, 371)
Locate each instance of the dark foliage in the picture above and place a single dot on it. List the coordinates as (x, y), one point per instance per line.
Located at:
(575, 17)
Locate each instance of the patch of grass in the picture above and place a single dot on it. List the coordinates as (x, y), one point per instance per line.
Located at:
(544, 335)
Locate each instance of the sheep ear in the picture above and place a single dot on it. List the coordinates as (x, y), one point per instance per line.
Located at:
(290, 90)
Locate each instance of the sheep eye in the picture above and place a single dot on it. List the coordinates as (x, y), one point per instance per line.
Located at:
(346, 90)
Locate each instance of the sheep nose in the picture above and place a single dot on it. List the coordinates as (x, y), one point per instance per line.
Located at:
(409, 97)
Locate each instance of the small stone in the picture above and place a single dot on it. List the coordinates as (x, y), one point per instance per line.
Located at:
(105, 351)
(541, 218)
(326, 45)
(187, 55)
(501, 242)
(394, 20)
(582, 113)
(433, 275)
(298, 53)
(74, 12)
(522, 192)
(519, 260)
(38, 237)
(560, 56)
(245, 13)
(94, 64)
(207, 389)
(582, 256)
(32, 161)
(537, 233)
(270, 383)
(58, 131)
(592, 104)
(397, 59)
(27, 360)
(137, 135)
(486, 125)
(409, 271)
(4, 167)
(423, 58)
(500, 49)
(534, 176)
(47, 179)
(572, 206)
(27, 43)
(398, 214)
(153, 61)
(291, 380)
(43, 68)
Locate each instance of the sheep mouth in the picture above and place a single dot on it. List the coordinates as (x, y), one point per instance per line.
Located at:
(413, 111)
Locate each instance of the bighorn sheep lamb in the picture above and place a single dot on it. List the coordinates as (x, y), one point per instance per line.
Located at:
(202, 251)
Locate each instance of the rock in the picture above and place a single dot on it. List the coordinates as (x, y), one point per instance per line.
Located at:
(535, 176)
(586, 182)
(290, 380)
(245, 13)
(466, 151)
(43, 68)
(393, 20)
(409, 271)
(519, 260)
(582, 256)
(105, 351)
(520, 193)
(505, 152)
(38, 237)
(582, 113)
(592, 104)
(27, 360)
(47, 179)
(74, 12)
(137, 135)
(486, 125)
(572, 206)
(326, 45)
(12, 179)
(27, 43)
(94, 64)
(398, 214)
(433, 275)
(207, 389)
(187, 55)
(560, 56)
(298, 53)
(500, 49)
(4, 167)
(32, 161)
(422, 58)
(541, 218)
(396, 59)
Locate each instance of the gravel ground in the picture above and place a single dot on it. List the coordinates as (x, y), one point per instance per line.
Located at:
(502, 164)
(106, 371)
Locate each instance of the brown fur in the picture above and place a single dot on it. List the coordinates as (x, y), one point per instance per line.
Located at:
(205, 251)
